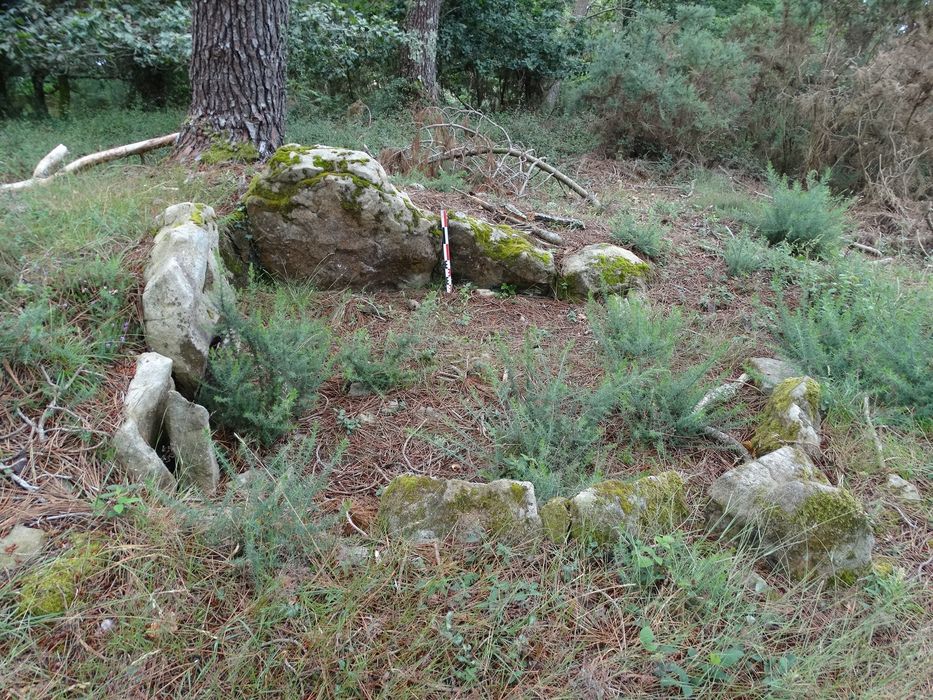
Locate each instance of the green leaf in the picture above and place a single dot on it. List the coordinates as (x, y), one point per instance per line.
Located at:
(646, 637)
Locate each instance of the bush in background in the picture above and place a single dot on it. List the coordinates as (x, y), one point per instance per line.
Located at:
(810, 219)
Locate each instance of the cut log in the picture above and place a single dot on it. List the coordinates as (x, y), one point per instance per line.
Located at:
(91, 160)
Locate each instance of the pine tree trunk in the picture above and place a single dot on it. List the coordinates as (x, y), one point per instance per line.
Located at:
(580, 8)
(237, 76)
(419, 61)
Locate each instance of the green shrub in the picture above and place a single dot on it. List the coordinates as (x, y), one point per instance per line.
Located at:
(267, 369)
(272, 516)
(544, 430)
(668, 84)
(648, 238)
(811, 220)
(631, 329)
(392, 369)
(856, 328)
(657, 405)
(744, 255)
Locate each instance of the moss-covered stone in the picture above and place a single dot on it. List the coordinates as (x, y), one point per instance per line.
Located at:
(51, 588)
(422, 507)
(615, 271)
(791, 417)
(651, 504)
(555, 519)
(807, 526)
(601, 268)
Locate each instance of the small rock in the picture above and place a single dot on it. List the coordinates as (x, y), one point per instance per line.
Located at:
(755, 583)
(392, 407)
(412, 304)
(485, 293)
(791, 417)
(366, 418)
(352, 556)
(107, 625)
(244, 480)
(21, 544)
(358, 390)
(601, 268)
(901, 489)
(424, 508)
(807, 526)
(769, 372)
(650, 504)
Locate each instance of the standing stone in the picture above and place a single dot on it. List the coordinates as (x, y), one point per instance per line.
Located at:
(144, 407)
(601, 268)
(804, 523)
(424, 508)
(21, 544)
(185, 286)
(791, 417)
(190, 437)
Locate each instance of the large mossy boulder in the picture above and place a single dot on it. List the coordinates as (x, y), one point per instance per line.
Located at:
(332, 215)
(791, 417)
(490, 255)
(186, 286)
(423, 508)
(649, 505)
(601, 268)
(806, 525)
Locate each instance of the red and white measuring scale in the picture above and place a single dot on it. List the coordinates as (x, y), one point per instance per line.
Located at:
(448, 275)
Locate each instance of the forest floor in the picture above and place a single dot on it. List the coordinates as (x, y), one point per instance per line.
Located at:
(173, 612)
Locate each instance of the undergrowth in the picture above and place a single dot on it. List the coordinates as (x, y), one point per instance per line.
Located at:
(267, 368)
(866, 332)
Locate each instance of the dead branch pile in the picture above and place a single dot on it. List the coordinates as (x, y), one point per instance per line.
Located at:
(478, 145)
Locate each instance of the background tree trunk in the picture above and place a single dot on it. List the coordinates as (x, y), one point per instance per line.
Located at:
(419, 62)
(580, 8)
(237, 76)
(39, 106)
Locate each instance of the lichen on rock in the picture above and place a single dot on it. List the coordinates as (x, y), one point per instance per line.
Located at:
(791, 417)
(647, 505)
(422, 508)
(806, 525)
(601, 268)
(555, 519)
(332, 215)
(490, 255)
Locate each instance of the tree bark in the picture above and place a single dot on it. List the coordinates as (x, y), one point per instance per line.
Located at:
(580, 8)
(39, 105)
(419, 61)
(237, 76)
(63, 88)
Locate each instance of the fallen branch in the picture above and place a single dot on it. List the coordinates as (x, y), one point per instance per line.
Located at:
(9, 470)
(721, 393)
(543, 234)
(872, 433)
(727, 441)
(560, 220)
(55, 156)
(867, 249)
(52, 162)
(533, 162)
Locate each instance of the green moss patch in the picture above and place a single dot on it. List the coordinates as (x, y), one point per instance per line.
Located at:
(224, 151)
(51, 588)
(775, 430)
(616, 271)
